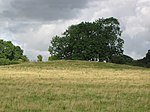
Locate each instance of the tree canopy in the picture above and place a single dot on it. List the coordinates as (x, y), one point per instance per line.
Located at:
(99, 40)
(10, 52)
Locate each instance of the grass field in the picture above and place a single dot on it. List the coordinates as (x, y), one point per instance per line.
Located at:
(74, 86)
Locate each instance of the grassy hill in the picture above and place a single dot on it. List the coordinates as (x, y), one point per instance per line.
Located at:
(74, 86)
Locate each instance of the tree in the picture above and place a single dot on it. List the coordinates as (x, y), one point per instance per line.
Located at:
(148, 56)
(98, 40)
(40, 57)
(10, 52)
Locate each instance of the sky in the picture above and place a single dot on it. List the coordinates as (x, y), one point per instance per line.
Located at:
(31, 24)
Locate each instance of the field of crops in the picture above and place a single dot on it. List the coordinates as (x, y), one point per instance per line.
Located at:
(74, 86)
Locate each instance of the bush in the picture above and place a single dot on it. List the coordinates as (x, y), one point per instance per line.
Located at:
(122, 59)
(51, 58)
(142, 63)
(4, 61)
(118, 60)
(14, 62)
(148, 65)
(24, 59)
(39, 58)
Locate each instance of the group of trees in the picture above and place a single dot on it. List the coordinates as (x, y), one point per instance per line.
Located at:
(10, 53)
(96, 41)
(93, 41)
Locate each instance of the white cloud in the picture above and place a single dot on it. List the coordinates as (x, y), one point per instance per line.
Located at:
(35, 38)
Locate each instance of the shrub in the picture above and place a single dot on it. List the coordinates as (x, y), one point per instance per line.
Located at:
(24, 59)
(4, 61)
(51, 58)
(14, 62)
(122, 59)
(118, 60)
(39, 58)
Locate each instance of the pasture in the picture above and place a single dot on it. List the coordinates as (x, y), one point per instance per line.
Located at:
(74, 86)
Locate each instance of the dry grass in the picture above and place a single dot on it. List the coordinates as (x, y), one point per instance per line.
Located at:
(74, 86)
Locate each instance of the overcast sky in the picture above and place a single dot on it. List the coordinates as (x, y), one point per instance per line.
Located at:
(32, 23)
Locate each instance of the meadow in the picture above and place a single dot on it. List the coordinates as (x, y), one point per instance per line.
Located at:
(74, 86)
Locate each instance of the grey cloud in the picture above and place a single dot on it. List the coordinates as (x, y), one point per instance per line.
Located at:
(17, 28)
(43, 10)
(136, 47)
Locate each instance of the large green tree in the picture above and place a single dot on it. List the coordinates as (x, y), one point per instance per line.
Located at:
(11, 52)
(98, 40)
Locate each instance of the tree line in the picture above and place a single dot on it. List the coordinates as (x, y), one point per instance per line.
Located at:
(91, 41)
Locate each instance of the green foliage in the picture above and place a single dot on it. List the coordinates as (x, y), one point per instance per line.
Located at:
(51, 58)
(14, 62)
(10, 54)
(117, 60)
(121, 59)
(145, 62)
(4, 61)
(39, 58)
(128, 59)
(99, 40)
(148, 56)
(24, 59)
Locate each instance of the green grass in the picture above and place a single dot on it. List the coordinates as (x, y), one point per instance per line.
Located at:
(74, 86)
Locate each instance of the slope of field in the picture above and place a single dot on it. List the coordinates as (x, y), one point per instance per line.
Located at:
(74, 86)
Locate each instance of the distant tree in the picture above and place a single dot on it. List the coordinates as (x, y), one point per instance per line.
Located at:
(98, 40)
(39, 57)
